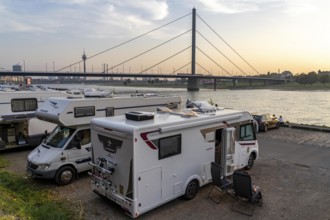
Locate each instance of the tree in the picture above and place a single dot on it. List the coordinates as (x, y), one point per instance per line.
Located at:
(324, 79)
(301, 78)
(312, 77)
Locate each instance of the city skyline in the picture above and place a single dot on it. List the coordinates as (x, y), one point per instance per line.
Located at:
(272, 36)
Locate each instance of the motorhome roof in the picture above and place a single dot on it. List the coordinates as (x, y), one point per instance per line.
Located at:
(169, 121)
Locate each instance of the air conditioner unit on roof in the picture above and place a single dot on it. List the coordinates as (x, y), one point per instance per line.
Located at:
(139, 116)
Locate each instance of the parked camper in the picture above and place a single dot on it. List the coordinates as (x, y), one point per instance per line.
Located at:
(18, 125)
(143, 159)
(67, 150)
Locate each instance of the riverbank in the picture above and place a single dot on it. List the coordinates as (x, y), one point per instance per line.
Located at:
(299, 134)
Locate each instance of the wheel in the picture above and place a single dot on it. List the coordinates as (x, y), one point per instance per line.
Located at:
(250, 162)
(266, 128)
(65, 175)
(191, 190)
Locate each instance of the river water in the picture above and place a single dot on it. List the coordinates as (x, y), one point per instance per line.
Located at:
(304, 107)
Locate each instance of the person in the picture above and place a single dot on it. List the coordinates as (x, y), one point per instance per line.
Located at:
(280, 120)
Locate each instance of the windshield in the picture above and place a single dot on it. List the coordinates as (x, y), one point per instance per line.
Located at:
(59, 136)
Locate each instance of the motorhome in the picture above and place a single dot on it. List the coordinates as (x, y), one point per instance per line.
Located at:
(67, 150)
(142, 160)
(18, 125)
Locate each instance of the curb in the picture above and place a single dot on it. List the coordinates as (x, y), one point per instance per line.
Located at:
(307, 127)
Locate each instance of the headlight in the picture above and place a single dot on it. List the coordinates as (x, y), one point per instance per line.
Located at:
(44, 166)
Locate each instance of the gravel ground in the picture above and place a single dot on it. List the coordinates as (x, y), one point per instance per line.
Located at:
(290, 191)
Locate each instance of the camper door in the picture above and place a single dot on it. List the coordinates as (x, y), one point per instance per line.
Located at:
(79, 149)
(246, 143)
(228, 151)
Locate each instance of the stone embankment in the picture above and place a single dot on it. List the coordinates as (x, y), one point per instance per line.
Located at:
(300, 134)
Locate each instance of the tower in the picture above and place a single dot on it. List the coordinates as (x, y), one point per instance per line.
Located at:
(84, 57)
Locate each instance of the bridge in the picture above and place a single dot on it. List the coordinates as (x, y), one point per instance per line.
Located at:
(193, 78)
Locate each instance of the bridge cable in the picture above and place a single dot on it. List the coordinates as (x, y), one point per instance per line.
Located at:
(128, 41)
(228, 45)
(213, 61)
(165, 60)
(138, 55)
(221, 52)
(174, 71)
(203, 68)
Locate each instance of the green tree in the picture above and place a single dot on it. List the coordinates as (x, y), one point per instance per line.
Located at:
(301, 78)
(324, 79)
(312, 77)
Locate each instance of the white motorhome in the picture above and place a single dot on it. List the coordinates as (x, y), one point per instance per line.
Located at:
(18, 125)
(146, 159)
(67, 150)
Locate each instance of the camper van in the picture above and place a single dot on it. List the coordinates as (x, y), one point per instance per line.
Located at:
(18, 125)
(67, 149)
(142, 160)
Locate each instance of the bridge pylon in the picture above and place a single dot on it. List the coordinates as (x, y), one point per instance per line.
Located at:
(193, 83)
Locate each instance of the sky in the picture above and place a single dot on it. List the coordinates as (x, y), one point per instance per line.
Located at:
(270, 35)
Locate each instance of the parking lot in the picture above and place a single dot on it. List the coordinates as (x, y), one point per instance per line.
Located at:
(290, 190)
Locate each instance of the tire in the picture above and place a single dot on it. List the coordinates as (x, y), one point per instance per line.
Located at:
(266, 128)
(65, 175)
(191, 190)
(250, 162)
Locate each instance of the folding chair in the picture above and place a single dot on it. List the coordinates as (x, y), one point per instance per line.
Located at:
(245, 191)
(218, 183)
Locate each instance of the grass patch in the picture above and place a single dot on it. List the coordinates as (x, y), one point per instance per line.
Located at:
(20, 198)
(3, 162)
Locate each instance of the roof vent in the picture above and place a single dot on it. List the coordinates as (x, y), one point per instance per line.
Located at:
(139, 116)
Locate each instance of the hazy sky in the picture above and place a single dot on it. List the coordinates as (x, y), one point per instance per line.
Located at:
(272, 35)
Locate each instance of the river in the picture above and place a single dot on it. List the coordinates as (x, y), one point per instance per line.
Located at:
(304, 107)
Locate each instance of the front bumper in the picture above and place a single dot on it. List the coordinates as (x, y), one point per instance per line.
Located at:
(42, 174)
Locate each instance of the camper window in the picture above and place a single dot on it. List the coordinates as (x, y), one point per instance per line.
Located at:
(84, 111)
(247, 133)
(169, 146)
(21, 105)
(84, 136)
(109, 112)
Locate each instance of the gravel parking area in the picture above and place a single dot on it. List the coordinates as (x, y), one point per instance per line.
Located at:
(290, 191)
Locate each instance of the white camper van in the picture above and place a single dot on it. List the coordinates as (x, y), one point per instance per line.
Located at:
(143, 160)
(18, 125)
(67, 150)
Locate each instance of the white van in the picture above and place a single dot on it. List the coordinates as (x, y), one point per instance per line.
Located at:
(67, 149)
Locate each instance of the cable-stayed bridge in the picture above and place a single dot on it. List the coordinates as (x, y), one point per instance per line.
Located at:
(178, 72)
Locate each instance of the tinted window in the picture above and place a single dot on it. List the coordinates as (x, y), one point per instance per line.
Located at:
(109, 112)
(84, 111)
(22, 105)
(169, 146)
